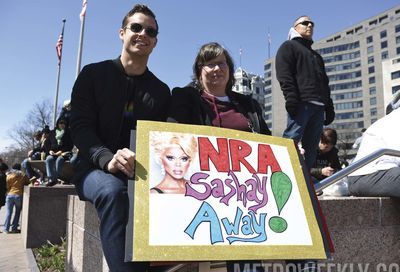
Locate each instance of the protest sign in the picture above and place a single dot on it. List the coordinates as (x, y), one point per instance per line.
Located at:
(206, 193)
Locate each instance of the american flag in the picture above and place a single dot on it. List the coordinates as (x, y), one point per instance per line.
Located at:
(83, 11)
(59, 47)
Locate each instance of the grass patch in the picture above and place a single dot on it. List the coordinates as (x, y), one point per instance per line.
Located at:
(51, 257)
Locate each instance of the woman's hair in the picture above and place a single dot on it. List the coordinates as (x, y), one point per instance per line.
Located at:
(329, 136)
(207, 52)
(160, 141)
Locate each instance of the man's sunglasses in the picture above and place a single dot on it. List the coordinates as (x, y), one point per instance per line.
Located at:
(306, 23)
(137, 28)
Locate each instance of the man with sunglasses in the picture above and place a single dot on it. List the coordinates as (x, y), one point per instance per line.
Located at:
(301, 73)
(107, 99)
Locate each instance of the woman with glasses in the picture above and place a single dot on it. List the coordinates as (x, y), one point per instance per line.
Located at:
(210, 101)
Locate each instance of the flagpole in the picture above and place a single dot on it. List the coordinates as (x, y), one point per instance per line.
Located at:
(240, 57)
(59, 53)
(269, 44)
(82, 17)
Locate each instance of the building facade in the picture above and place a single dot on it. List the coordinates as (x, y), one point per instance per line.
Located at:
(254, 85)
(362, 63)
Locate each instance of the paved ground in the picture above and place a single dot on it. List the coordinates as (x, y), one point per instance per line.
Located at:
(13, 255)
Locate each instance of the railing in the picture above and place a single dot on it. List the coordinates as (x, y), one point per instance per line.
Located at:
(353, 167)
(175, 268)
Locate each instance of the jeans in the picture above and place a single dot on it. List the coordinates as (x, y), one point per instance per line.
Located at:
(109, 195)
(54, 165)
(380, 183)
(306, 127)
(11, 201)
(26, 166)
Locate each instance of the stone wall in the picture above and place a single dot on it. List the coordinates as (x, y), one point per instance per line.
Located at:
(44, 214)
(364, 231)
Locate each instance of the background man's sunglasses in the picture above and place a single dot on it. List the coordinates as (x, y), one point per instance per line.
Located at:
(306, 23)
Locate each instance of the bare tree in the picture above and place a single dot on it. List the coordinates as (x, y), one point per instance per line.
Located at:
(38, 117)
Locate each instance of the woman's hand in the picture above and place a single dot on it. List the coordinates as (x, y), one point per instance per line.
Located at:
(124, 161)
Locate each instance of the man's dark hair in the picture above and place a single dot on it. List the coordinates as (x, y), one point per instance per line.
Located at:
(207, 52)
(329, 136)
(139, 8)
(46, 129)
(3, 167)
(16, 166)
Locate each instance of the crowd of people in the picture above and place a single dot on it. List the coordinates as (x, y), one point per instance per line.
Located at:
(109, 97)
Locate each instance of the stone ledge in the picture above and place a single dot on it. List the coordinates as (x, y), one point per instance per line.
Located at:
(364, 230)
(44, 214)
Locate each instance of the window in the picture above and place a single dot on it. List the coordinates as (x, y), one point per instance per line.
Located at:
(370, 49)
(383, 34)
(349, 115)
(345, 76)
(370, 39)
(383, 44)
(338, 48)
(383, 18)
(395, 89)
(372, 101)
(371, 70)
(349, 95)
(343, 66)
(384, 55)
(343, 86)
(348, 105)
(267, 66)
(398, 51)
(397, 28)
(397, 39)
(370, 59)
(371, 80)
(374, 111)
(349, 125)
(373, 120)
(372, 90)
(396, 74)
(347, 56)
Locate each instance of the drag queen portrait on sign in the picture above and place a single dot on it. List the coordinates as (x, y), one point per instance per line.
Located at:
(174, 153)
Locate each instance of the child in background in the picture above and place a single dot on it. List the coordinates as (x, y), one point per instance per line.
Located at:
(327, 161)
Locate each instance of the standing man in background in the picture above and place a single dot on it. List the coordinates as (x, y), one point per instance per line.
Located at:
(301, 73)
(107, 99)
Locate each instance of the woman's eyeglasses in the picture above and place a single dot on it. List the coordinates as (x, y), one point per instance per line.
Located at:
(221, 65)
(137, 28)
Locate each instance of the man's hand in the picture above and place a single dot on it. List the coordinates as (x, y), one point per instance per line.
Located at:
(124, 161)
(291, 108)
(58, 153)
(327, 171)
